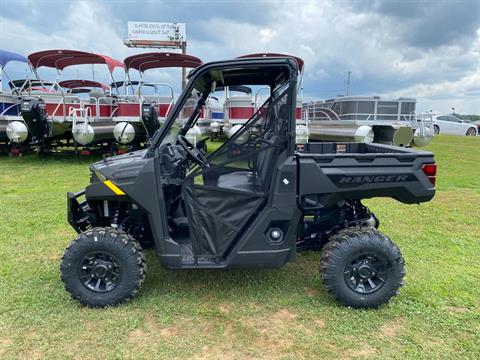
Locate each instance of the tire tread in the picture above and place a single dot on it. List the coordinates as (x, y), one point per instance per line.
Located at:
(113, 237)
(342, 242)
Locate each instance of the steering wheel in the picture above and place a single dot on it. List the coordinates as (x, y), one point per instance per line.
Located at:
(195, 154)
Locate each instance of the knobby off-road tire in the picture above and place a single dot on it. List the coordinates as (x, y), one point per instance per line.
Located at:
(103, 267)
(362, 268)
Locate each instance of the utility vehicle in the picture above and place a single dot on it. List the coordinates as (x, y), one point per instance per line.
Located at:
(252, 203)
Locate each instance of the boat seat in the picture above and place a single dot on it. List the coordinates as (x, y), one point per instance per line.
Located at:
(96, 94)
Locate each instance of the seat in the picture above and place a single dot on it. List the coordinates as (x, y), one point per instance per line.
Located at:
(240, 180)
(256, 179)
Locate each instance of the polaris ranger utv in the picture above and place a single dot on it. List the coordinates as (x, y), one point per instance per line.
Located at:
(253, 203)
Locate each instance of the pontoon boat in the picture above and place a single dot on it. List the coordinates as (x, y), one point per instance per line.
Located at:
(138, 111)
(368, 119)
(10, 117)
(57, 114)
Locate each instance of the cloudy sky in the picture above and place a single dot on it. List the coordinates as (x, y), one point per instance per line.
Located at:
(424, 49)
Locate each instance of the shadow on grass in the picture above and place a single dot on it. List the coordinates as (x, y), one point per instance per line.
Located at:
(293, 281)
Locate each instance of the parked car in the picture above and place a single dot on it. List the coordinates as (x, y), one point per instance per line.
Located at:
(452, 125)
(477, 123)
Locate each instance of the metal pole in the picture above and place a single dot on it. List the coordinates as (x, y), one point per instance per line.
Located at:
(184, 70)
(349, 73)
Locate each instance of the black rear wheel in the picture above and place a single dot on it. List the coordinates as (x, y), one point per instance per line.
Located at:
(471, 132)
(102, 267)
(436, 129)
(362, 268)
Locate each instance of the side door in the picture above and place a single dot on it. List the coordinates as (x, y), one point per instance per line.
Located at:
(453, 125)
(223, 199)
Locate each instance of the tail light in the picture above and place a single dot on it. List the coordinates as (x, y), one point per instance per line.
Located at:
(430, 170)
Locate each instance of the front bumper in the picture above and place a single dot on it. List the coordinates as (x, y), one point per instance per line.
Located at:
(78, 212)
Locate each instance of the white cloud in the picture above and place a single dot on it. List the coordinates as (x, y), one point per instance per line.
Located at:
(332, 37)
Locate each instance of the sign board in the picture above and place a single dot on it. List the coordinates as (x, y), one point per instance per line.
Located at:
(156, 32)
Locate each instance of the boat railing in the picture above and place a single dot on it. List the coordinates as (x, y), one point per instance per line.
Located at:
(263, 88)
(72, 100)
(105, 100)
(424, 121)
(324, 113)
(83, 114)
(170, 105)
(156, 97)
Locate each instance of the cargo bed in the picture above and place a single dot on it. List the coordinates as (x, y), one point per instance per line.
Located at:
(331, 172)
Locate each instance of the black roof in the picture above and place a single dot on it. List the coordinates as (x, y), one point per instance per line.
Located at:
(244, 71)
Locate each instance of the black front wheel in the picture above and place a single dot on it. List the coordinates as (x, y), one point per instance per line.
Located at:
(103, 267)
(362, 268)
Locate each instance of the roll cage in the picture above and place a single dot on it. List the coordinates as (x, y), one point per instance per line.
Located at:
(271, 72)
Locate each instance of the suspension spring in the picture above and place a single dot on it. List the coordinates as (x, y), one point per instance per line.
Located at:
(116, 216)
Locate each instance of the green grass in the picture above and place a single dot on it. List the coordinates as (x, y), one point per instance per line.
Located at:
(283, 313)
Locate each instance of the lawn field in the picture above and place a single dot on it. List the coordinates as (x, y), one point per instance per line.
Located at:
(283, 313)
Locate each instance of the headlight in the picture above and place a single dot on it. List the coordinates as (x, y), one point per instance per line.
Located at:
(97, 176)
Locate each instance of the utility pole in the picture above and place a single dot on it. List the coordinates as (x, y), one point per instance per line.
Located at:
(349, 74)
(184, 70)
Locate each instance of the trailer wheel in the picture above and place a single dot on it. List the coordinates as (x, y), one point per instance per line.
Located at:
(362, 268)
(103, 267)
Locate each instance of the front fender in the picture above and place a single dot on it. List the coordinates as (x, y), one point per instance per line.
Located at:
(105, 190)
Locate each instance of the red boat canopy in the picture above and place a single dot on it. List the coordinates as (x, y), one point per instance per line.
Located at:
(297, 59)
(142, 62)
(73, 84)
(60, 59)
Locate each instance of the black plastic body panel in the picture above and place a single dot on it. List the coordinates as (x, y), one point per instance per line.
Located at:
(332, 172)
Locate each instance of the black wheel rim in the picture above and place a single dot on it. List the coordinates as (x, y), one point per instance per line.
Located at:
(100, 271)
(366, 274)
